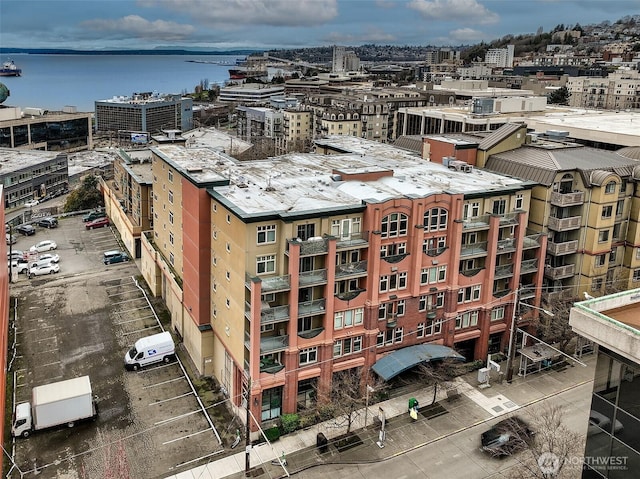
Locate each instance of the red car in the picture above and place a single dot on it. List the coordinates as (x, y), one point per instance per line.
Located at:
(97, 223)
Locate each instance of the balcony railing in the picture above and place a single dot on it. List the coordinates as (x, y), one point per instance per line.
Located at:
(311, 307)
(313, 246)
(529, 266)
(476, 249)
(276, 283)
(566, 247)
(357, 268)
(356, 240)
(310, 278)
(274, 314)
(506, 246)
(273, 343)
(567, 199)
(532, 241)
(527, 292)
(565, 224)
(560, 272)
(509, 219)
(504, 271)
(476, 222)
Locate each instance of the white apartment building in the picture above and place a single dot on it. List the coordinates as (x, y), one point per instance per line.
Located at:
(500, 57)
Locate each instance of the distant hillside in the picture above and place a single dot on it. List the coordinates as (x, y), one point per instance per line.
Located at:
(163, 51)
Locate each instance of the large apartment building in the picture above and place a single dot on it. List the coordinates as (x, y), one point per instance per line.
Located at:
(280, 273)
(619, 91)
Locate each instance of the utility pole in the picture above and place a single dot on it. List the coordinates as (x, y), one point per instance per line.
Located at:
(247, 449)
(511, 352)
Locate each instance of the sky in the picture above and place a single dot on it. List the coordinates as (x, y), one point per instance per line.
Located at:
(268, 24)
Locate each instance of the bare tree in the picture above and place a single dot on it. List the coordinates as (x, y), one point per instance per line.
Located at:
(436, 374)
(556, 330)
(550, 453)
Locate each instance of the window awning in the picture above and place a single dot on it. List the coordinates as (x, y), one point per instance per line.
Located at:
(403, 359)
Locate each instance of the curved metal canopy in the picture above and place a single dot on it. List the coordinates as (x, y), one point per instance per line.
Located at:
(403, 359)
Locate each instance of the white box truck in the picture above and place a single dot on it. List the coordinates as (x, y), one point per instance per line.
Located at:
(55, 404)
(149, 350)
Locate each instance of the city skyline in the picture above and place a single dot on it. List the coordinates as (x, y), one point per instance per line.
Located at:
(262, 24)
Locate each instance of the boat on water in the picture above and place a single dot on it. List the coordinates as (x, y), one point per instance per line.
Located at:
(9, 69)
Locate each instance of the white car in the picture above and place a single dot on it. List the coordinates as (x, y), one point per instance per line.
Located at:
(49, 257)
(46, 268)
(598, 423)
(32, 203)
(22, 266)
(45, 245)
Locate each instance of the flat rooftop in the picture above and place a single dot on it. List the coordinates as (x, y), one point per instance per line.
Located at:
(14, 159)
(612, 321)
(305, 183)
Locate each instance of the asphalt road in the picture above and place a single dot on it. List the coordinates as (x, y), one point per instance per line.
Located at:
(459, 455)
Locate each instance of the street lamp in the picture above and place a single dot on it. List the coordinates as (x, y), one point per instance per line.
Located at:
(512, 350)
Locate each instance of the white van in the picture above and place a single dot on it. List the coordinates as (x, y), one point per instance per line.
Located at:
(149, 350)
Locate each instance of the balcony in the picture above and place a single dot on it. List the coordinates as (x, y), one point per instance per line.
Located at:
(532, 241)
(309, 308)
(529, 266)
(566, 247)
(476, 223)
(509, 219)
(504, 271)
(527, 292)
(271, 344)
(276, 314)
(573, 198)
(357, 268)
(565, 224)
(276, 284)
(560, 272)
(356, 240)
(476, 249)
(313, 246)
(506, 246)
(312, 278)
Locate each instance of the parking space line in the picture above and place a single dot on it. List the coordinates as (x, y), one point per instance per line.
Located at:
(197, 459)
(171, 399)
(140, 330)
(123, 292)
(131, 310)
(50, 350)
(48, 364)
(47, 339)
(162, 383)
(154, 368)
(129, 300)
(175, 418)
(132, 320)
(185, 437)
(38, 329)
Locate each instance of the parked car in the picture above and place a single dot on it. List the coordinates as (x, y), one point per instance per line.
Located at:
(26, 229)
(97, 223)
(42, 269)
(111, 257)
(21, 265)
(598, 423)
(49, 257)
(507, 437)
(42, 246)
(94, 215)
(11, 239)
(31, 203)
(48, 222)
(16, 254)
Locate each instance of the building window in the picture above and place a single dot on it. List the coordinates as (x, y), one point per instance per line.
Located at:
(172, 259)
(468, 294)
(619, 207)
(393, 249)
(610, 187)
(435, 219)
(228, 303)
(433, 245)
(393, 282)
(228, 275)
(170, 195)
(171, 217)
(171, 237)
(229, 218)
(636, 275)
(466, 320)
(601, 260)
(398, 334)
(434, 326)
(387, 337)
(346, 346)
(394, 225)
(603, 236)
(170, 176)
(420, 330)
(596, 284)
(308, 355)
(347, 319)
(607, 211)
(436, 274)
(227, 246)
(266, 234)
(471, 210)
(266, 264)
(519, 201)
(499, 207)
(497, 314)
(612, 256)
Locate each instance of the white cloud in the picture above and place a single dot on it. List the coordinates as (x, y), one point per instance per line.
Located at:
(290, 13)
(466, 35)
(136, 26)
(469, 11)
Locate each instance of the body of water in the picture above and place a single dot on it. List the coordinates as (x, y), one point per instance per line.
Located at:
(52, 82)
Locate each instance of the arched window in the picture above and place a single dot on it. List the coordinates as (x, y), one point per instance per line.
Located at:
(435, 219)
(610, 187)
(394, 225)
(340, 116)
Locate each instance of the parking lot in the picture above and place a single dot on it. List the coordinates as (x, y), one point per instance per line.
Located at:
(81, 321)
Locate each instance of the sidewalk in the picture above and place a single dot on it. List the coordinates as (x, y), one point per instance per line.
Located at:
(447, 416)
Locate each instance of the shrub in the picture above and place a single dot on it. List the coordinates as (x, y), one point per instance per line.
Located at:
(290, 422)
(272, 434)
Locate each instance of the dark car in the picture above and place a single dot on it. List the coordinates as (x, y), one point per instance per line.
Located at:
(111, 257)
(507, 437)
(48, 222)
(26, 230)
(94, 215)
